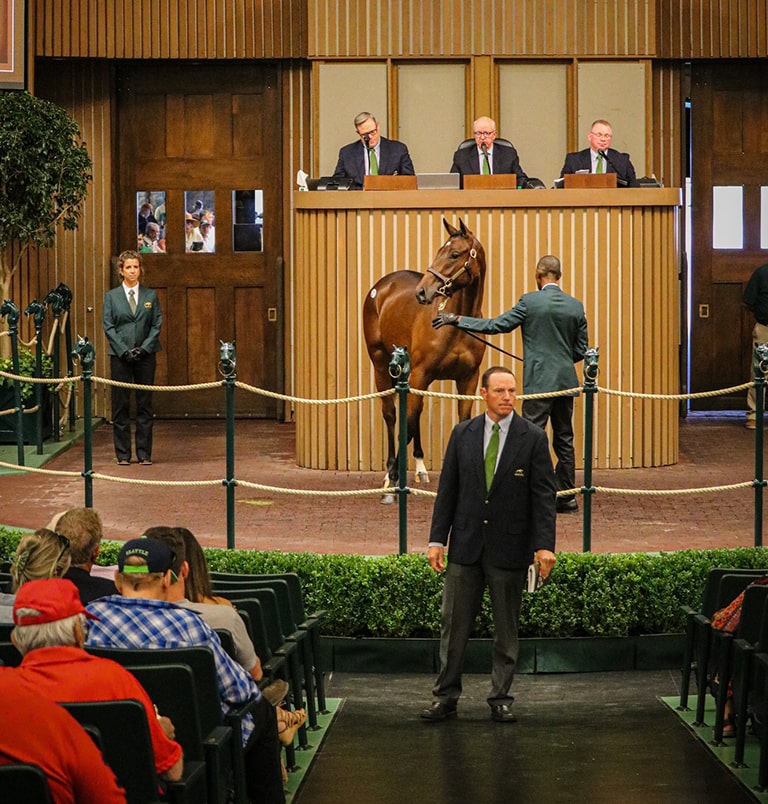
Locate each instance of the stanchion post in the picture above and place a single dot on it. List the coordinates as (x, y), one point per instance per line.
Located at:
(8, 308)
(228, 370)
(760, 365)
(66, 302)
(400, 370)
(85, 352)
(57, 305)
(38, 311)
(587, 490)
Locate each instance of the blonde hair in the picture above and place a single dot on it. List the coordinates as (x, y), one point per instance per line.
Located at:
(42, 554)
(134, 581)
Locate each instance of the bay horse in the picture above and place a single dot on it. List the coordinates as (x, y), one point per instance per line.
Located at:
(398, 311)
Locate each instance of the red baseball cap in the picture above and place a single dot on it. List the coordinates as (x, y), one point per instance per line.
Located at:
(51, 599)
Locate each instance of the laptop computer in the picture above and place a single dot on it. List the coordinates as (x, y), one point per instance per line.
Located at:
(437, 181)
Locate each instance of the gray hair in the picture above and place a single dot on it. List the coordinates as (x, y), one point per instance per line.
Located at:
(362, 117)
(60, 633)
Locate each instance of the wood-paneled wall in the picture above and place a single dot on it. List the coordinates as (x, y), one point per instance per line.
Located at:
(432, 28)
(712, 29)
(170, 29)
(81, 258)
(619, 254)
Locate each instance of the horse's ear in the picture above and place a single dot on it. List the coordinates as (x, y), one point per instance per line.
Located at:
(463, 228)
(450, 229)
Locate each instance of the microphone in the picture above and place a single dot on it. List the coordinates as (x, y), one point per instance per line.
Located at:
(484, 149)
(620, 179)
(367, 140)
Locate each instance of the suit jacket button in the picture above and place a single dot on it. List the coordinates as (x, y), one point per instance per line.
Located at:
(485, 522)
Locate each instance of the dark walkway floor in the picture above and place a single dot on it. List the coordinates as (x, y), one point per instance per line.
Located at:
(602, 738)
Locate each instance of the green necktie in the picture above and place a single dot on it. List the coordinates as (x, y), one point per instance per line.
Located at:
(600, 167)
(374, 164)
(132, 300)
(491, 454)
(486, 165)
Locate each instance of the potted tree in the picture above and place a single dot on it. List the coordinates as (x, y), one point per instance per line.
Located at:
(44, 174)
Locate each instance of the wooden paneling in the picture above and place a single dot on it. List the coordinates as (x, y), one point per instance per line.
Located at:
(170, 29)
(719, 29)
(81, 258)
(430, 28)
(619, 256)
(668, 132)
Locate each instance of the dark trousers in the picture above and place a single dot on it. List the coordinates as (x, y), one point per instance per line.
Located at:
(263, 778)
(558, 410)
(462, 598)
(142, 372)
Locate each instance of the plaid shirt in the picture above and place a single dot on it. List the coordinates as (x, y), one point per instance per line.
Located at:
(131, 622)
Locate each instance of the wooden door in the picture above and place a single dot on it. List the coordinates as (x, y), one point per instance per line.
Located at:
(214, 128)
(729, 147)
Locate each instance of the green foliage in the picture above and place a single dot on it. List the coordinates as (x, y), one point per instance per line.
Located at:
(44, 170)
(605, 594)
(27, 364)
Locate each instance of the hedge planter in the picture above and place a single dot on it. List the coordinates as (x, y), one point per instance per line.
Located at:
(29, 420)
(572, 655)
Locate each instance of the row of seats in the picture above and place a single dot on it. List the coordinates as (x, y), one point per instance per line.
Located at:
(726, 662)
(182, 684)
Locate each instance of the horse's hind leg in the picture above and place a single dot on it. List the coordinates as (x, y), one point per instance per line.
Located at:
(390, 419)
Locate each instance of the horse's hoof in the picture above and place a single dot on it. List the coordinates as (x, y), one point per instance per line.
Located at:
(388, 499)
(422, 477)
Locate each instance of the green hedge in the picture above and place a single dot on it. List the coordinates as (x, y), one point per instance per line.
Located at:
(605, 594)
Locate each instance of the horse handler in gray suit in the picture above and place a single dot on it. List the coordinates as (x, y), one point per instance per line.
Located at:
(554, 339)
(495, 510)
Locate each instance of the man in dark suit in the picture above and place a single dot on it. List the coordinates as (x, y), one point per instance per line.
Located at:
(500, 157)
(496, 504)
(601, 158)
(372, 154)
(132, 321)
(554, 338)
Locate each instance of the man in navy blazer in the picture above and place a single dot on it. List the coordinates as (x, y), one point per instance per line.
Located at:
(599, 151)
(372, 154)
(134, 340)
(555, 337)
(493, 533)
(502, 158)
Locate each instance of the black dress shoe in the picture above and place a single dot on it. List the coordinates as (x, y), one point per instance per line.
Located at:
(439, 710)
(502, 713)
(567, 506)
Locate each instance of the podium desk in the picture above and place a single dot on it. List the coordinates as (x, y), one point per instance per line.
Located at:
(620, 255)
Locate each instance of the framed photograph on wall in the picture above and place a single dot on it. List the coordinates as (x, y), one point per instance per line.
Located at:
(13, 57)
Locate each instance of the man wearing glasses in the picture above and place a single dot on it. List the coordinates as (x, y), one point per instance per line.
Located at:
(601, 158)
(487, 156)
(372, 154)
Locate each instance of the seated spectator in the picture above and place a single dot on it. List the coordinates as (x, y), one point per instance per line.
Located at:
(226, 618)
(728, 619)
(141, 617)
(197, 586)
(372, 154)
(82, 526)
(600, 157)
(149, 242)
(50, 634)
(58, 745)
(42, 554)
(488, 156)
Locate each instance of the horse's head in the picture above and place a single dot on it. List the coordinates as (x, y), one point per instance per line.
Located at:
(8, 308)
(227, 358)
(459, 263)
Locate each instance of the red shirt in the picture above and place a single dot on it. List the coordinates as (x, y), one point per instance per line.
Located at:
(36, 730)
(70, 674)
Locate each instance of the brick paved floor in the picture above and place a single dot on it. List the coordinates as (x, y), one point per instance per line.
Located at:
(714, 450)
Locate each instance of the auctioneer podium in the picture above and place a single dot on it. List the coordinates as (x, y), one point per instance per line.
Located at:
(620, 256)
